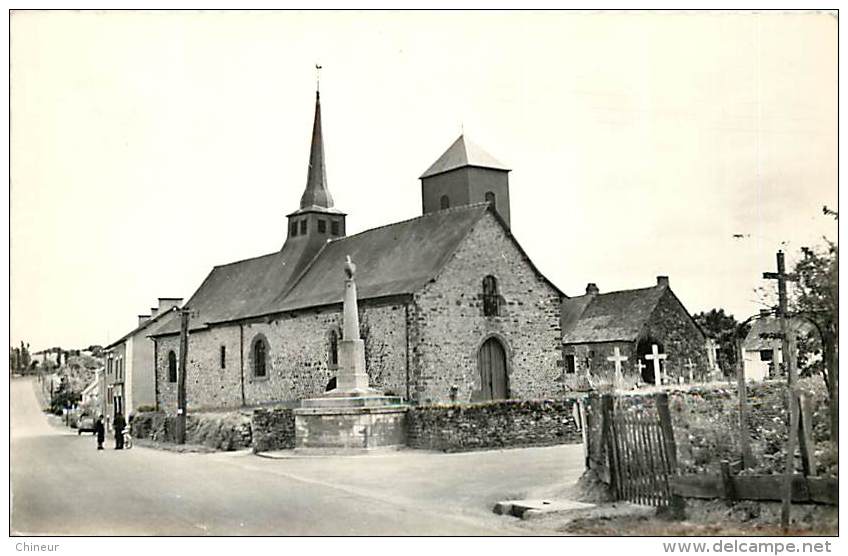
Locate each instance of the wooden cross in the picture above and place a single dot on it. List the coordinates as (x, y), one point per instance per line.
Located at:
(618, 359)
(691, 366)
(656, 357)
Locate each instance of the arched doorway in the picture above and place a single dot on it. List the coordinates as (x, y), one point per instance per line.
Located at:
(644, 348)
(491, 360)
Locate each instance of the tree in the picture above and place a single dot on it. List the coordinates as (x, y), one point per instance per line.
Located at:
(721, 327)
(815, 299)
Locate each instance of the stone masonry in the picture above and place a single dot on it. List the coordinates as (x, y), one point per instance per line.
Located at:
(449, 326)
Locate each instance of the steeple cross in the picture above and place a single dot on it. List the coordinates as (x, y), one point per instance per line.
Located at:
(618, 359)
(318, 68)
(655, 356)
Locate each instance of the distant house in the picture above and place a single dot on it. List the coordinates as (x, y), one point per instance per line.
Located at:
(129, 380)
(634, 321)
(762, 352)
(91, 394)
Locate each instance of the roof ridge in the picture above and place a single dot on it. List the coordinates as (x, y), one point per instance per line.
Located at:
(245, 260)
(420, 217)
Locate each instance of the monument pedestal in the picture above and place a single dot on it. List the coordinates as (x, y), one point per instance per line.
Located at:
(349, 424)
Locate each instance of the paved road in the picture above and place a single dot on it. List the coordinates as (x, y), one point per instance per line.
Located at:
(61, 485)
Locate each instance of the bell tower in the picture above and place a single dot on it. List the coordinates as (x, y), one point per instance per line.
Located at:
(466, 174)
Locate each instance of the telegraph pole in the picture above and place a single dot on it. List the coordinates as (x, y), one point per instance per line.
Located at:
(788, 349)
(181, 376)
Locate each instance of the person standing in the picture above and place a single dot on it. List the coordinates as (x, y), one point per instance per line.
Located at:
(120, 423)
(100, 432)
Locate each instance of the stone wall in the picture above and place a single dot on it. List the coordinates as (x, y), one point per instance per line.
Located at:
(682, 339)
(705, 420)
(297, 360)
(449, 327)
(501, 424)
(219, 431)
(273, 429)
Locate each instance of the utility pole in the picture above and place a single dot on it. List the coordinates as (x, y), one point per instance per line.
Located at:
(181, 376)
(788, 349)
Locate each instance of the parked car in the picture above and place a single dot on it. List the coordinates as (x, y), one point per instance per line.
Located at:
(86, 424)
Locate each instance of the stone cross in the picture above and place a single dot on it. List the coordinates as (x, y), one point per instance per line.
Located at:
(655, 356)
(691, 366)
(618, 359)
(640, 367)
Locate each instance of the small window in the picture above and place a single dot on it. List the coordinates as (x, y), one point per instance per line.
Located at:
(766, 355)
(333, 350)
(260, 352)
(223, 357)
(491, 299)
(570, 365)
(302, 227)
(334, 227)
(172, 366)
(490, 198)
(444, 202)
(322, 226)
(294, 228)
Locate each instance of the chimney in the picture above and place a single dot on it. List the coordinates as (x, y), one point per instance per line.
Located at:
(143, 319)
(592, 289)
(662, 281)
(153, 312)
(166, 303)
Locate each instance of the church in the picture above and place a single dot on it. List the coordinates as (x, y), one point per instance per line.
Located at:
(451, 307)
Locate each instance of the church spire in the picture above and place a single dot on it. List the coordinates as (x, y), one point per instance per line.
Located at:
(316, 194)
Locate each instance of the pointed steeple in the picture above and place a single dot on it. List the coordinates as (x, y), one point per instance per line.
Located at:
(316, 194)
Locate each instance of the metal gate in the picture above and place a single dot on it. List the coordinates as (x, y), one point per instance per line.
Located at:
(641, 451)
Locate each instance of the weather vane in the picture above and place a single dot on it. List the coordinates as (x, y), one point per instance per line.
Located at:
(318, 77)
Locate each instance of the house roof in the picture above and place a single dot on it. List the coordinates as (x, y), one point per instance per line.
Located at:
(609, 317)
(145, 325)
(463, 153)
(396, 259)
(770, 326)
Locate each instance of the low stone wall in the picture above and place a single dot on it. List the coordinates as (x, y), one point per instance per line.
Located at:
(502, 424)
(273, 429)
(219, 431)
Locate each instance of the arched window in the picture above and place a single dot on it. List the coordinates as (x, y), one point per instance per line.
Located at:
(333, 350)
(444, 202)
(491, 299)
(260, 352)
(490, 198)
(172, 366)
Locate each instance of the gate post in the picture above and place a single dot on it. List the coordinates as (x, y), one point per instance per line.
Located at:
(677, 504)
(609, 442)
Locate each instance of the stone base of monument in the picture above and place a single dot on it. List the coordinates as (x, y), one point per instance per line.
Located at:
(346, 423)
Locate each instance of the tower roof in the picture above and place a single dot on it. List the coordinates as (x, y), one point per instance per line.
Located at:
(316, 194)
(463, 153)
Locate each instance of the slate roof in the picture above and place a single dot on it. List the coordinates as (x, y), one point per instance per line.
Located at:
(609, 317)
(396, 259)
(157, 320)
(463, 153)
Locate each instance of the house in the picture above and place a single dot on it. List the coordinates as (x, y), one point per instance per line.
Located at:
(638, 323)
(762, 351)
(129, 380)
(452, 308)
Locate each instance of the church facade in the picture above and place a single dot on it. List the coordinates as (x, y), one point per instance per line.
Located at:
(451, 307)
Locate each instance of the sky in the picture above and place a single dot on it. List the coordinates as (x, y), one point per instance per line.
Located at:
(147, 147)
